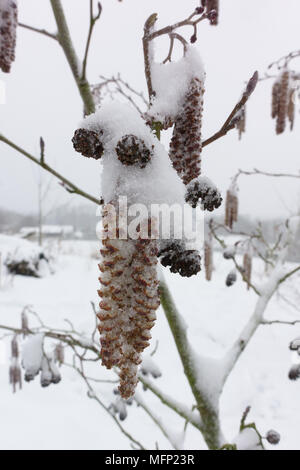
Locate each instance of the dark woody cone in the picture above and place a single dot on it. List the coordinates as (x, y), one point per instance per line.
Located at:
(187, 263)
(87, 143)
(132, 151)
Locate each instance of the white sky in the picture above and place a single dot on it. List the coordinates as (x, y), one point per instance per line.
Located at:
(42, 98)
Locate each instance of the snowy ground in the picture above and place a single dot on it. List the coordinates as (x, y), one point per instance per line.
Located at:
(63, 417)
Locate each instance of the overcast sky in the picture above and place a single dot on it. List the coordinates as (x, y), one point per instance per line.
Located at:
(42, 99)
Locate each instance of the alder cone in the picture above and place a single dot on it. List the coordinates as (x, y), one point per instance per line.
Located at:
(132, 151)
(8, 33)
(186, 144)
(187, 263)
(87, 143)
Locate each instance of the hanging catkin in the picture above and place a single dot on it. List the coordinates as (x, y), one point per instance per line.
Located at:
(212, 9)
(186, 145)
(208, 258)
(291, 108)
(231, 206)
(8, 28)
(280, 101)
(247, 269)
(129, 293)
(241, 123)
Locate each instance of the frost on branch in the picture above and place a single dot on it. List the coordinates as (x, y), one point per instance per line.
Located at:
(8, 29)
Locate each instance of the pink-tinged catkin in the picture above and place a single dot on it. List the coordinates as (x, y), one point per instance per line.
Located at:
(282, 102)
(231, 207)
(247, 269)
(8, 31)
(141, 315)
(129, 300)
(186, 144)
(208, 258)
(212, 9)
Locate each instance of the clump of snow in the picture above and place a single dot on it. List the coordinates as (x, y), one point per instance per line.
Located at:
(32, 355)
(23, 257)
(157, 183)
(248, 439)
(150, 367)
(171, 81)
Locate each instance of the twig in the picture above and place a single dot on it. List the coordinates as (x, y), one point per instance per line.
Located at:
(280, 322)
(230, 122)
(67, 184)
(38, 30)
(93, 21)
(146, 48)
(69, 51)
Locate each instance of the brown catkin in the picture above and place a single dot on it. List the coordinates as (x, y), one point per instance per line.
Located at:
(241, 123)
(247, 269)
(208, 258)
(186, 144)
(144, 303)
(231, 207)
(213, 5)
(8, 31)
(275, 99)
(129, 299)
(283, 102)
(291, 108)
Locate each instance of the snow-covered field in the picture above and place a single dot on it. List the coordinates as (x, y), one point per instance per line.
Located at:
(63, 417)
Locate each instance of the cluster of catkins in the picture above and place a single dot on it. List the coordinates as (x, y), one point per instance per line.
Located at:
(8, 28)
(133, 163)
(283, 104)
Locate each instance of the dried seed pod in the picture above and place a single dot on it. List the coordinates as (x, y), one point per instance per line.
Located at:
(247, 269)
(186, 144)
(231, 279)
(231, 206)
(8, 31)
(203, 190)
(283, 102)
(88, 143)
(208, 258)
(132, 151)
(185, 262)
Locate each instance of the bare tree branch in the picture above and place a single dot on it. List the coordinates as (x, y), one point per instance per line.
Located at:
(40, 31)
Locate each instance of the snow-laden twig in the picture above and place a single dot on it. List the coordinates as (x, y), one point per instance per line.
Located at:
(179, 408)
(140, 402)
